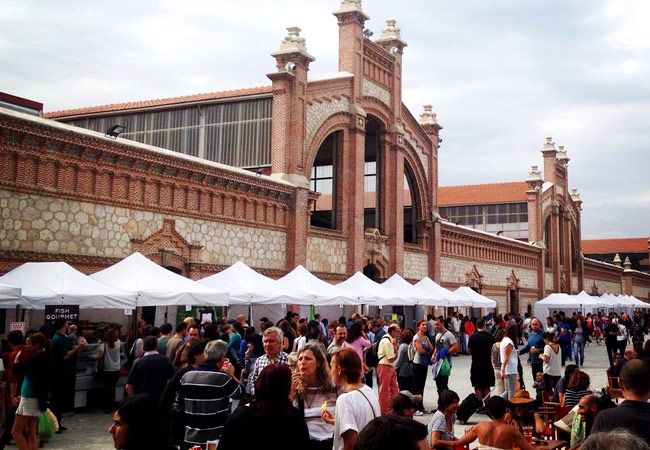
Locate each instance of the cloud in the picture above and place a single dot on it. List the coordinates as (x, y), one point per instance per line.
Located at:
(501, 75)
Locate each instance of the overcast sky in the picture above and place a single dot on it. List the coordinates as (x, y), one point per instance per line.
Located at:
(502, 75)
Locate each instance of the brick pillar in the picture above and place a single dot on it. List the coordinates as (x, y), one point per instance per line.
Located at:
(289, 84)
(352, 169)
(393, 202)
(430, 126)
(351, 20)
(296, 246)
(391, 40)
(549, 153)
(554, 249)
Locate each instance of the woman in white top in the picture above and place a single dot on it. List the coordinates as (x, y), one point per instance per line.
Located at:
(111, 357)
(552, 361)
(356, 406)
(509, 361)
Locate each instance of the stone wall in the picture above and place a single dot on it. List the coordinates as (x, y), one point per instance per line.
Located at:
(32, 222)
(326, 255)
(604, 287)
(453, 271)
(416, 265)
(641, 292)
(548, 280)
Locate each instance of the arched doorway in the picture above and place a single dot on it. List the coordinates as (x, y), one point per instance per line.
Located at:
(372, 272)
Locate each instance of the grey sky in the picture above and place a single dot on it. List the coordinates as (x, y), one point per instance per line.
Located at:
(502, 75)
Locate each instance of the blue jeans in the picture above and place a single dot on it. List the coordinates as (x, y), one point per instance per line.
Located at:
(579, 353)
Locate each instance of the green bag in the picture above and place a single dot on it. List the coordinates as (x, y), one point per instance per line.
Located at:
(45, 428)
(445, 368)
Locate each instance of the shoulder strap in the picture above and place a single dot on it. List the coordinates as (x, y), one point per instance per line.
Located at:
(372, 408)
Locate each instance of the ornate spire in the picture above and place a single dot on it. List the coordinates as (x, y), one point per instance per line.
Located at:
(428, 117)
(293, 43)
(549, 145)
(534, 179)
(350, 5)
(391, 38)
(617, 260)
(627, 264)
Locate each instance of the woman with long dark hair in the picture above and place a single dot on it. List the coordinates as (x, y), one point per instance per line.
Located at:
(423, 352)
(357, 339)
(34, 365)
(271, 420)
(111, 357)
(138, 424)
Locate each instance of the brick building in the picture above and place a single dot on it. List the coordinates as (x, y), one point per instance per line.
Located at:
(334, 173)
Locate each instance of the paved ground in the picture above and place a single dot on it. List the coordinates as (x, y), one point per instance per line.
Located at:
(89, 430)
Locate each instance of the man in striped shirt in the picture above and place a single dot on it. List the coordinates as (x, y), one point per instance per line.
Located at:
(206, 392)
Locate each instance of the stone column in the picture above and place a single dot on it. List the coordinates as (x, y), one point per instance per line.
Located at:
(431, 127)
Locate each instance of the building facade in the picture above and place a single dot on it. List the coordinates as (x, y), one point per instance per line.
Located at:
(334, 173)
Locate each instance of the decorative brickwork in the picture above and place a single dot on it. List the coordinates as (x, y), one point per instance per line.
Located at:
(319, 111)
(371, 89)
(455, 269)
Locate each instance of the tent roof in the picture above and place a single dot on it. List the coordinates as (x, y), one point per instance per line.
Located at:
(246, 286)
(414, 293)
(453, 299)
(323, 292)
(9, 296)
(153, 285)
(373, 293)
(478, 300)
(57, 283)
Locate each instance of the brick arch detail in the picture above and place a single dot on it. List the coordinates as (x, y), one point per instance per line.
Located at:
(379, 111)
(336, 122)
(180, 250)
(420, 179)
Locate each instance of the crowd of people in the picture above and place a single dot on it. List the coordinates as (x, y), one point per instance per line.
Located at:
(308, 384)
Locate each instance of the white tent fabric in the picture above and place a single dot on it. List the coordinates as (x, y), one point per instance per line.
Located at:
(410, 292)
(450, 298)
(373, 293)
(248, 287)
(57, 283)
(478, 300)
(9, 296)
(301, 279)
(565, 302)
(152, 285)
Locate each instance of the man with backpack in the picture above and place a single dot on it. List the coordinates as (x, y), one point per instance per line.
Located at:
(386, 373)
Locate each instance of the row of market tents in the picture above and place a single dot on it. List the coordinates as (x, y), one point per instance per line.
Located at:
(138, 281)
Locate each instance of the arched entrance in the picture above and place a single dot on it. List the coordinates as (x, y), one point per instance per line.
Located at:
(372, 272)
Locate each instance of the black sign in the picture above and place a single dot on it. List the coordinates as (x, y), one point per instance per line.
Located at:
(67, 312)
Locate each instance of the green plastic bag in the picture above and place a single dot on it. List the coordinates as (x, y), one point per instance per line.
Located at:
(45, 428)
(445, 368)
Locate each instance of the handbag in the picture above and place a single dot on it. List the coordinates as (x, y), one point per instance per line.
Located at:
(99, 375)
(445, 368)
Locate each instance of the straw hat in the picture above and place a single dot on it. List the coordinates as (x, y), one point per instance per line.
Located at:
(521, 397)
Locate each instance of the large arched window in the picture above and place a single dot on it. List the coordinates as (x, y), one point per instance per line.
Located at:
(410, 208)
(324, 180)
(372, 174)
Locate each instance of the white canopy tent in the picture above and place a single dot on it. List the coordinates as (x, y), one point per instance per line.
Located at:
(410, 292)
(152, 285)
(330, 301)
(372, 293)
(9, 296)
(57, 283)
(478, 300)
(248, 287)
(565, 302)
(450, 298)
(300, 279)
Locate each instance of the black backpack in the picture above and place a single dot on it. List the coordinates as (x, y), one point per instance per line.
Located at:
(372, 357)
